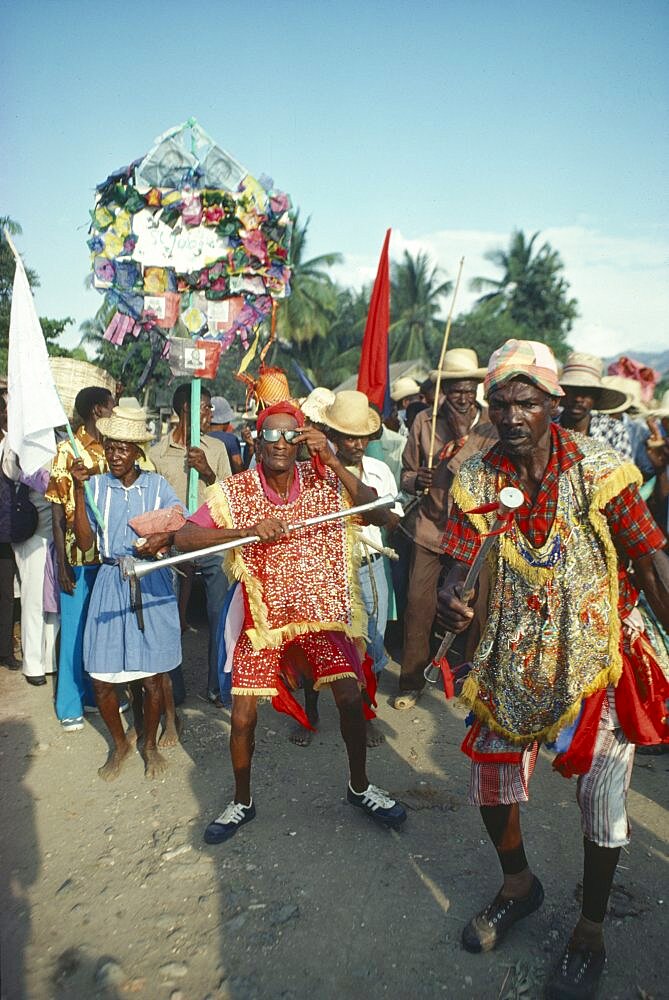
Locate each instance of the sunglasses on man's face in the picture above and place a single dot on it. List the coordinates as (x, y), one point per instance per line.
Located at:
(272, 435)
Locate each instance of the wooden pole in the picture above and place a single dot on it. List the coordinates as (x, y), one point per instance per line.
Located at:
(437, 388)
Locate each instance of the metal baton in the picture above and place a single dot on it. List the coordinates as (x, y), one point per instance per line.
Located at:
(510, 499)
(132, 568)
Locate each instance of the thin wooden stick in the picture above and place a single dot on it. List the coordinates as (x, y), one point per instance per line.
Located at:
(435, 405)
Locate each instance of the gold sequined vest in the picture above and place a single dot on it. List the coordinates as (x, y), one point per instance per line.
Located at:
(552, 631)
(306, 582)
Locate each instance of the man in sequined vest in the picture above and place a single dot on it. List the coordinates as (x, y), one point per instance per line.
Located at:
(300, 598)
(562, 657)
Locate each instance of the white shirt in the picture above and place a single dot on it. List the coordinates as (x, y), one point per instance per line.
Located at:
(376, 474)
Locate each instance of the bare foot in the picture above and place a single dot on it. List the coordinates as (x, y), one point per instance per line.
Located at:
(300, 736)
(171, 733)
(374, 736)
(117, 758)
(154, 763)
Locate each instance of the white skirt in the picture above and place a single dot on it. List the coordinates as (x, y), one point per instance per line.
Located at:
(122, 676)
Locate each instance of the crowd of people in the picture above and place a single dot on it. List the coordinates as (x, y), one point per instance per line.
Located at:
(562, 643)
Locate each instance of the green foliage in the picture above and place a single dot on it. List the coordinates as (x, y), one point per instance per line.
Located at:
(331, 358)
(415, 301)
(311, 308)
(484, 328)
(531, 291)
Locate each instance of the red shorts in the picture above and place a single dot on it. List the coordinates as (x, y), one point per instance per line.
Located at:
(322, 656)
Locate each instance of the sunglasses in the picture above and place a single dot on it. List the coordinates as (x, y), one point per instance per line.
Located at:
(272, 435)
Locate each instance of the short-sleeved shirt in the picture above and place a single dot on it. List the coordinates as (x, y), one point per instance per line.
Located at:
(628, 517)
(60, 489)
(230, 440)
(169, 458)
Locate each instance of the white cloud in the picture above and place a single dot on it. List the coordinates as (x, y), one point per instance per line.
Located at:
(621, 284)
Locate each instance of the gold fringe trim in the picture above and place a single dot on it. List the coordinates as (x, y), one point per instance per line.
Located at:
(256, 692)
(217, 502)
(533, 574)
(358, 626)
(469, 697)
(273, 638)
(626, 474)
(333, 677)
(465, 501)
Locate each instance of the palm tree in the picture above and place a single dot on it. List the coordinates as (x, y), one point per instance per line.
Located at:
(531, 291)
(330, 359)
(311, 307)
(416, 290)
(516, 266)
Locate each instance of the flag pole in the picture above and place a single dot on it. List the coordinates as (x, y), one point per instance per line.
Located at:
(437, 388)
(73, 443)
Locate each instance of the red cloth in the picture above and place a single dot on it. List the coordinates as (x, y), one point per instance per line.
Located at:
(578, 758)
(373, 372)
(283, 407)
(645, 376)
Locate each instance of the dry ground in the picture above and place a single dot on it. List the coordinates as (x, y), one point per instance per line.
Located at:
(108, 890)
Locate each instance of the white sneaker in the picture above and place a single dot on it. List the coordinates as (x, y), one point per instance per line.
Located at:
(72, 725)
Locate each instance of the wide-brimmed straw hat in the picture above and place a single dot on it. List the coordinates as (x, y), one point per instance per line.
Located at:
(584, 371)
(632, 389)
(663, 409)
(403, 387)
(460, 362)
(351, 414)
(316, 402)
(127, 423)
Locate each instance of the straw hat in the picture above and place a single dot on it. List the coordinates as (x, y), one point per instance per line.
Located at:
(460, 362)
(632, 389)
(585, 371)
(314, 405)
(403, 387)
(663, 409)
(127, 423)
(351, 414)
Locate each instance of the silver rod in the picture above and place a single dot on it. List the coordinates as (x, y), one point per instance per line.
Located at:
(131, 567)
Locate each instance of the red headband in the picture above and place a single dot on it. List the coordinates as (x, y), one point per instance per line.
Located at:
(283, 407)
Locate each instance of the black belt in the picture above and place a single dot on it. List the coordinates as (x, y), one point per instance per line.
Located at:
(368, 560)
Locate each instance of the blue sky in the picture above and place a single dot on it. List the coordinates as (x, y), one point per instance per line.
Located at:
(451, 123)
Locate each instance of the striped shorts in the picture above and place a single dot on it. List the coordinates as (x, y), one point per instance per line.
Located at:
(601, 793)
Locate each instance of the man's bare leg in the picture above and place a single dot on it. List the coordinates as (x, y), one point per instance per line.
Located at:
(244, 718)
(300, 736)
(353, 729)
(155, 763)
(173, 724)
(107, 702)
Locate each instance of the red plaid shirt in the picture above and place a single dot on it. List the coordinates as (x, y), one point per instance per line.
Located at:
(629, 519)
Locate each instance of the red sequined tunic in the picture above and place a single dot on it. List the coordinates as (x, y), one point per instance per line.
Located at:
(301, 594)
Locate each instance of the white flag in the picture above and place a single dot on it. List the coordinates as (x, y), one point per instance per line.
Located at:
(33, 407)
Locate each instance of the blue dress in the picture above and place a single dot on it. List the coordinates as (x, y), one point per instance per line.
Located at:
(112, 639)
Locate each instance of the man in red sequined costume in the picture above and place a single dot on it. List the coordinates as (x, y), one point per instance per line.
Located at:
(302, 609)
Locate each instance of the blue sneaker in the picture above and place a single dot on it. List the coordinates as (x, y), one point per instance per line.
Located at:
(230, 820)
(378, 805)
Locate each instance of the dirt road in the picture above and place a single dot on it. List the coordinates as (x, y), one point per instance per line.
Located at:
(108, 890)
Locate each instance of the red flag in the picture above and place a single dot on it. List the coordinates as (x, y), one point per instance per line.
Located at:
(373, 373)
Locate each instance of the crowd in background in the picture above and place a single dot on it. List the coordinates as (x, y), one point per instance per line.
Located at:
(46, 579)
